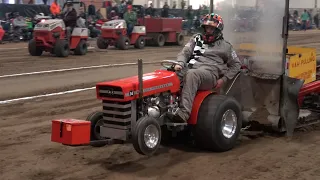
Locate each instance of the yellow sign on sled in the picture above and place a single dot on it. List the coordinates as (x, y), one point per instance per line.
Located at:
(301, 62)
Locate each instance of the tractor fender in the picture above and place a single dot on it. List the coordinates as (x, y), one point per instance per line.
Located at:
(200, 96)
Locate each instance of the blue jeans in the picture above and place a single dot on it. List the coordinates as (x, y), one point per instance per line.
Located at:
(129, 29)
(304, 25)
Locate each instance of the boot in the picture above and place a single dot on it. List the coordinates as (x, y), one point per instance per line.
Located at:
(180, 116)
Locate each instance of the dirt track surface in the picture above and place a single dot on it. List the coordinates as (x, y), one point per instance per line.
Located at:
(25, 126)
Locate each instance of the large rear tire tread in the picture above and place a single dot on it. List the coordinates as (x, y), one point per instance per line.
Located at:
(208, 131)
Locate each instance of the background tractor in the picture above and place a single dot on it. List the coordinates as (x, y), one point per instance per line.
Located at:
(50, 36)
(114, 33)
(149, 30)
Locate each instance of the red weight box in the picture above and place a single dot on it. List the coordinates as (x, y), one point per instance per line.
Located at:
(70, 131)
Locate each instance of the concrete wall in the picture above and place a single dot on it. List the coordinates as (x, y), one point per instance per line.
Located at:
(302, 3)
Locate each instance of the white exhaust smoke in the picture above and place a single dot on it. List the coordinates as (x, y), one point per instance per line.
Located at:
(263, 28)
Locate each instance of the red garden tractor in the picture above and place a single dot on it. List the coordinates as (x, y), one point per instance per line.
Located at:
(50, 36)
(153, 31)
(114, 33)
(280, 93)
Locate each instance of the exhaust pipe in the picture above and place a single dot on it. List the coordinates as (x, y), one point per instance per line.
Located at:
(139, 103)
(140, 74)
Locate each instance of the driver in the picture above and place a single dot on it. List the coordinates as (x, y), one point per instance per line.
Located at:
(207, 61)
(70, 18)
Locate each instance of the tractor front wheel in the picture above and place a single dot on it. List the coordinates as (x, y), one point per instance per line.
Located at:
(101, 43)
(82, 48)
(219, 123)
(140, 43)
(33, 49)
(123, 43)
(96, 119)
(62, 48)
(146, 135)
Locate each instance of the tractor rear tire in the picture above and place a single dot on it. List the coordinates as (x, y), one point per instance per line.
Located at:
(33, 49)
(96, 119)
(140, 43)
(101, 43)
(160, 40)
(143, 125)
(209, 130)
(180, 39)
(82, 48)
(62, 48)
(123, 43)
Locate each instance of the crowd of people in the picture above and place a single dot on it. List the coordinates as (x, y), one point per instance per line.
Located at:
(124, 10)
(305, 20)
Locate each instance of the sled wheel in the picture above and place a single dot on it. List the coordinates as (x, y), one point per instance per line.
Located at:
(219, 123)
(61, 48)
(82, 48)
(146, 136)
(140, 43)
(123, 43)
(96, 120)
(180, 39)
(159, 40)
(101, 43)
(33, 49)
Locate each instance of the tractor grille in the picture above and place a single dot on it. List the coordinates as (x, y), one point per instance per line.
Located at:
(111, 92)
(41, 33)
(117, 114)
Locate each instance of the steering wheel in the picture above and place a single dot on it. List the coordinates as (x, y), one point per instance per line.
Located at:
(169, 64)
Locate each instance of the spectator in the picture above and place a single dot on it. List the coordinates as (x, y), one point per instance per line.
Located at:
(92, 9)
(174, 5)
(310, 15)
(115, 8)
(190, 17)
(31, 2)
(165, 10)
(131, 19)
(70, 18)
(150, 11)
(316, 19)
(183, 4)
(55, 8)
(108, 5)
(122, 8)
(304, 18)
(295, 13)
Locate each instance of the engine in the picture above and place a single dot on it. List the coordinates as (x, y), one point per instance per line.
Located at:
(47, 31)
(157, 105)
(122, 106)
(49, 25)
(115, 24)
